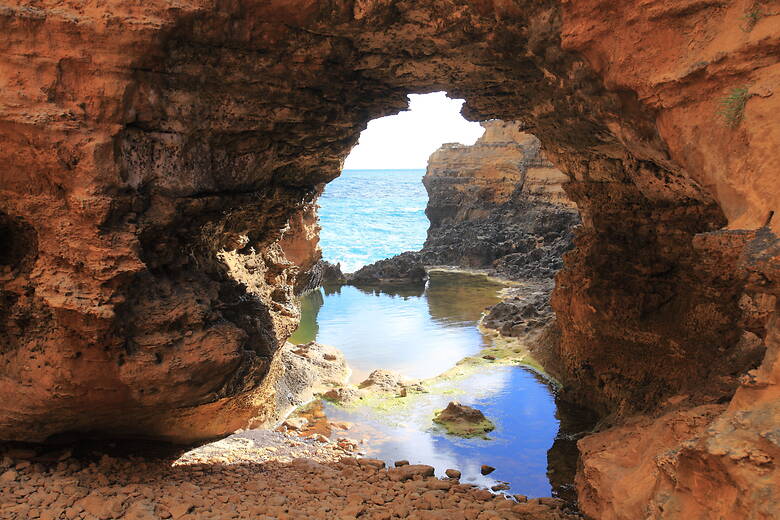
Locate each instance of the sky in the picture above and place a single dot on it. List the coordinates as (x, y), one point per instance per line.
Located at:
(407, 139)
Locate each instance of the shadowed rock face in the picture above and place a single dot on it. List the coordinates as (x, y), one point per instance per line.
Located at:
(153, 156)
(498, 204)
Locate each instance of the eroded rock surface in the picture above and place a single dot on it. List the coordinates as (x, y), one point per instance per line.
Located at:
(497, 205)
(463, 420)
(154, 154)
(307, 369)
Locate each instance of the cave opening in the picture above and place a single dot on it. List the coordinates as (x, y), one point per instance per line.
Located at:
(432, 221)
(131, 131)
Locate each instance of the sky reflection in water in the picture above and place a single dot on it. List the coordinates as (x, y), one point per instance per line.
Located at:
(422, 333)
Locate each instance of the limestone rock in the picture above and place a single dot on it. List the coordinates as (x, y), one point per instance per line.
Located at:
(343, 394)
(497, 204)
(153, 159)
(385, 381)
(462, 420)
(307, 370)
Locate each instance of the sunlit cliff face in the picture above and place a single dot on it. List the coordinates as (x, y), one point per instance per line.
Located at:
(140, 142)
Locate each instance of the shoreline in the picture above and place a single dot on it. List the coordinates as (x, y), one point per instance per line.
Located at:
(387, 407)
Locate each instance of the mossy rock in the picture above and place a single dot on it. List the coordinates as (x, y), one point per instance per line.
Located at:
(463, 421)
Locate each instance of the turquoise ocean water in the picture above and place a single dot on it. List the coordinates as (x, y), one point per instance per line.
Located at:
(368, 215)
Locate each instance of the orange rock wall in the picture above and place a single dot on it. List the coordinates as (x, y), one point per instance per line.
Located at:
(154, 153)
(468, 182)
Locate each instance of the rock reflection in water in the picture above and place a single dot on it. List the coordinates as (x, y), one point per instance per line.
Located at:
(421, 335)
(419, 332)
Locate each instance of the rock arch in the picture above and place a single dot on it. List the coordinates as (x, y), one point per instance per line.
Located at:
(159, 153)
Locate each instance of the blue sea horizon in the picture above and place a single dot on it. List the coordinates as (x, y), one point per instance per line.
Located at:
(371, 214)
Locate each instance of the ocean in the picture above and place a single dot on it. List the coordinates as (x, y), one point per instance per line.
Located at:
(369, 215)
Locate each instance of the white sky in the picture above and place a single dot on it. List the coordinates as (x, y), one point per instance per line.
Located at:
(406, 140)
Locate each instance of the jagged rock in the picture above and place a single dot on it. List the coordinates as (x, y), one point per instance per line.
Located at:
(522, 310)
(497, 204)
(307, 370)
(406, 268)
(321, 273)
(462, 420)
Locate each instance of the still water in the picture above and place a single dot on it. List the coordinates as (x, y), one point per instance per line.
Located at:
(420, 333)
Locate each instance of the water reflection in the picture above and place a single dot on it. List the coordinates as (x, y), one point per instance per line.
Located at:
(419, 332)
(521, 405)
(422, 333)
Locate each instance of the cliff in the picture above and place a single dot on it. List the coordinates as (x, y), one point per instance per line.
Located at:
(497, 205)
(154, 153)
(470, 182)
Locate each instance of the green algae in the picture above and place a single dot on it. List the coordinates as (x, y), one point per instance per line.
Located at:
(503, 351)
(463, 421)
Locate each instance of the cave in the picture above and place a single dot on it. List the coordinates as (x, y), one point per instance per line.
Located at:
(162, 155)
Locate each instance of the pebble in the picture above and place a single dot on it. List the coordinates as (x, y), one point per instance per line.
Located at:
(8, 476)
(237, 478)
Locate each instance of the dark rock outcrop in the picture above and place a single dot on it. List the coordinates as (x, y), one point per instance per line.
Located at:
(406, 268)
(321, 273)
(522, 310)
(497, 205)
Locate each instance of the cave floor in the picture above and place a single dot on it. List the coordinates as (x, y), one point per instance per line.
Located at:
(237, 481)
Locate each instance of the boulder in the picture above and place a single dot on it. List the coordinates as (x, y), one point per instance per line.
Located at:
(462, 420)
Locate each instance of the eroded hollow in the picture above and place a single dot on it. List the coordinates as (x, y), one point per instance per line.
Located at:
(19, 242)
(217, 135)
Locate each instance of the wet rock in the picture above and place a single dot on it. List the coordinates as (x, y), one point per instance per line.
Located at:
(486, 470)
(400, 463)
(452, 473)
(463, 420)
